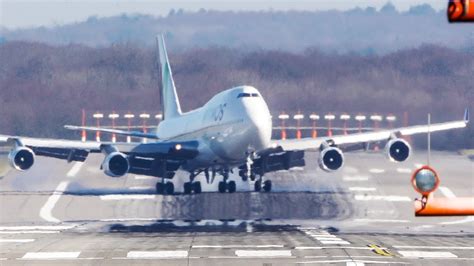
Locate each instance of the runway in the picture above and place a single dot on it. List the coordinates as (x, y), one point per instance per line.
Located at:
(72, 214)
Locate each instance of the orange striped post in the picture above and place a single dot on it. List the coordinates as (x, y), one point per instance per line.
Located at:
(114, 116)
(298, 117)
(144, 117)
(282, 118)
(129, 118)
(314, 117)
(329, 118)
(360, 118)
(83, 133)
(97, 116)
(345, 118)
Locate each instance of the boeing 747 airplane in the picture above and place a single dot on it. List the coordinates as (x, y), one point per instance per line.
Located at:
(231, 132)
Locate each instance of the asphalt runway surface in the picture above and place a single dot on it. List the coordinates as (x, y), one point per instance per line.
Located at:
(72, 214)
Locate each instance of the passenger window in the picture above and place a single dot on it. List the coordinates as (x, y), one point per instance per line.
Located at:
(255, 95)
(243, 94)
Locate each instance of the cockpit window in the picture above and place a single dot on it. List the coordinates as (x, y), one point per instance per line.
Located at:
(244, 94)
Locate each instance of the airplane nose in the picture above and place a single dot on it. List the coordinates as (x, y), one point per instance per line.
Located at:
(259, 119)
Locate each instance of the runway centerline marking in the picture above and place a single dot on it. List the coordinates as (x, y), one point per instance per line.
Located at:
(426, 254)
(263, 253)
(434, 247)
(355, 178)
(380, 197)
(46, 210)
(376, 171)
(162, 254)
(237, 246)
(404, 170)
(50, 255)
(17, 240)
(127, 197)
(143, 177)
(447, 192)
(362, 189)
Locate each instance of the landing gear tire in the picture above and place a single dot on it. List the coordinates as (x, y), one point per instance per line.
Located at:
(231, 187)
(222, 187)
(243, 175)
(267, 185)
(187, 188)
(258, 186)
(169, 188)
(160, 188)
(196, 186)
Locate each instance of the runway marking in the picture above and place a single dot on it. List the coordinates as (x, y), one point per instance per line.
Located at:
(162, 254)
(351, 261)
(381, 221)
(404, 170)
(332, 247)
(237, 246)
(142, 177)
(435, 247)
(263, 253)
(447, 192)
(128, 219)
(381, 197)
(324, 236)
(468, 219)
(333, 238)
(340, 242)
(29, 232)
(127, 197)
(47, 208)
(427, 254)
(141, 188)
(362, 189)
(355, 263)
(50, 255)
(376, 171)
(75, 169)
(25, 240)
(37, 227)
(355, 178)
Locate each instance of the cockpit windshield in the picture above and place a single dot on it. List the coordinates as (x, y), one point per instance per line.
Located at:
(244, 94)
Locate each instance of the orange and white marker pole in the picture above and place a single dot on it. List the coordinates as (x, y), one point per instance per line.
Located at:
(345, 118)
(314, 117)
(97, 117)
(114, 116)
(129, 118)
(360, 119)
(298, 117)
(83, 133)
(376, 119)
(144, 117)
(329, 118)
(391, 119)
(282, 118)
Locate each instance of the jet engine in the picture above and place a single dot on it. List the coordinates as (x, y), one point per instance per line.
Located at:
(331, 159)
(21, 158)
(116, 164)
(397, 150)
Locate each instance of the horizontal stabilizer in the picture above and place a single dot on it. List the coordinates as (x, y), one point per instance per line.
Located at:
(114, 131)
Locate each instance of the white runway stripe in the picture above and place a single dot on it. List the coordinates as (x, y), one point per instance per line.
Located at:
(74, 170)
(468, 219)
(141, 188)
(263, 253)
(341, 242)
(37, 227)
(162, 254)
(447, 192)
(47, 208)
(328, 238)
(380, 221)
(362, 189)
(51, 255)
(355, 178)
(377, 171)
(334, 247)
(25, 240)
(404, 170)
(427, 254)
(143, 177)
(29, 232)
(380, 197)
(127, 197)
(237, 246)
(434, 247)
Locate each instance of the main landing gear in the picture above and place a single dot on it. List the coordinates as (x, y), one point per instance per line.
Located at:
(265, 185)
(192, 186)
(163, 188)
(225, 185)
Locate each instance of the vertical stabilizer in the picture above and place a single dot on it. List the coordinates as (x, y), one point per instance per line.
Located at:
(169, 97)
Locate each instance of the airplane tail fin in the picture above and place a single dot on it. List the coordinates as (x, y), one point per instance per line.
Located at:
(169, 98)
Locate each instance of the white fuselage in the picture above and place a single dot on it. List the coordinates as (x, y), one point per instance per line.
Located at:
(232, 124)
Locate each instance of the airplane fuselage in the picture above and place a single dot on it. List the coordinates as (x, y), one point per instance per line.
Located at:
(229, 126)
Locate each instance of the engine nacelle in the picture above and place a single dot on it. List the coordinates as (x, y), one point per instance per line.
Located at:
(397, 150)
(331, 159)
(21, 158)
(116, 164)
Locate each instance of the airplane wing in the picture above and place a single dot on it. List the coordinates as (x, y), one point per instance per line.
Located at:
(373, 136)
(153, 159)
(114, 131)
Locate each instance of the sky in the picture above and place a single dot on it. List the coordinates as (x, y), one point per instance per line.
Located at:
(16, 14)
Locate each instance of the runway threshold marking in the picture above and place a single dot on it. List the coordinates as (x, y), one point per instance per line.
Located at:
(162, 254)
(362, 189)
(434, 247)
(355, 178)
(51, 255)
(426, 254)
(263, 253)
(447, 192)
(46, 210)
(237, 246)
(376, 171)
(127, 197)
(404, 170)
(381, 197)
(25, 240)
